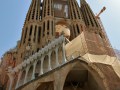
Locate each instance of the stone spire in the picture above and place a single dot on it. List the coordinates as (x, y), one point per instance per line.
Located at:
(94, 32)
(47, 21)
(76, 17)
(31, 32)
(75, 11)
(83, 2)
(34, 12)
(47, 8)
(88, 15)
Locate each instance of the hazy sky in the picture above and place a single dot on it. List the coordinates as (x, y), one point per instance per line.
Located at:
(13, 13)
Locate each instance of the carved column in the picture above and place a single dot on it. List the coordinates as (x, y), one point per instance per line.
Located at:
(27, 69)
(18, 80)
(11, 75)
(49, 66)
(41, 71)
(56, 51)
(34, 66)
(63, 51)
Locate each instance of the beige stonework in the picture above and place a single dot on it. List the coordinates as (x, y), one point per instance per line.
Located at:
(62, 47)
(59, 76)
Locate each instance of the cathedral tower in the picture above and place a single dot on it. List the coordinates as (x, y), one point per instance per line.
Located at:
(62, 47)
(88, 16)
(95, 35)
(47, 21)
(44, 17)
(77, 23)
(31, 32)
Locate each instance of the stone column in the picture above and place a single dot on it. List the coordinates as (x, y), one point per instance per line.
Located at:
(49, 66)
(11, 78)
(27, 69)
(11, 75)
(41, 69)
(34, 66)
(56, 51)
(18, 80)
(63, 52)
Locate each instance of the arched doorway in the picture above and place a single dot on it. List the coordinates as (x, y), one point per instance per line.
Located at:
(80, 78)
(46, 86)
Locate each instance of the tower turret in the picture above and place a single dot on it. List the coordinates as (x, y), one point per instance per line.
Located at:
(47, 21)
(89, 16)
(34, 12)
(95, 36)
(31, 32)
(77, 23)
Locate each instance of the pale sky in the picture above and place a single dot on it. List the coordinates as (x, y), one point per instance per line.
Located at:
(13, 13)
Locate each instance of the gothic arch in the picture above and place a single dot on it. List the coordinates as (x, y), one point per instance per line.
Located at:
(53, 59)
(60, 55)
(46, 86)
(38, 68)
(83, 77)
(46, 64)
(30, 72)
(22, 78)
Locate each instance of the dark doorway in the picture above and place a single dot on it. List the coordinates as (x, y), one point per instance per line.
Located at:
(46, 86)
(79, 78)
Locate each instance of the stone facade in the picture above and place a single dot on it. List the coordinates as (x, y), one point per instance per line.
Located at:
(62, 47)
(8, 60)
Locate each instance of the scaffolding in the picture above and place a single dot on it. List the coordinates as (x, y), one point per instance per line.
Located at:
(101, 25)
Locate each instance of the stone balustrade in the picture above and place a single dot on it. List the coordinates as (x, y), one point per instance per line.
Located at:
(45, 60)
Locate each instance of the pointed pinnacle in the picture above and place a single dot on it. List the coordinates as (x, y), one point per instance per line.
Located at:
(83, 2)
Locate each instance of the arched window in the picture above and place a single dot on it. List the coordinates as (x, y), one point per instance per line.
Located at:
(44, 29)
(39, 34)
(31, 27)
(52, 28)
(25, 35)
(48, 26)
(77, 28)
(35, 34)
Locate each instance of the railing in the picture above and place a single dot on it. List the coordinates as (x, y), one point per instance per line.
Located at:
(48, 58)
(45, 60)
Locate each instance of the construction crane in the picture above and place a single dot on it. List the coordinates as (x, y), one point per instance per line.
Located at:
(98, 17)
(101, 25)
(102, 10)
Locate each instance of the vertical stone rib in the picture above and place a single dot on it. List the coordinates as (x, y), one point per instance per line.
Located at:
(88, 15)
(47, 17)
(47, 8)
(44, 8)
(34, 11)
(29, 12)
(76, 17)
(74, 8)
